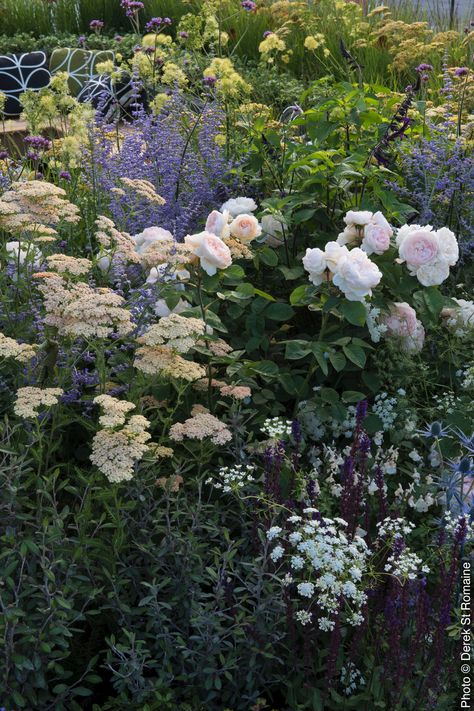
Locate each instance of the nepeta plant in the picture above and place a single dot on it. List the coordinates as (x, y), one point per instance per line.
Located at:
(177, 152)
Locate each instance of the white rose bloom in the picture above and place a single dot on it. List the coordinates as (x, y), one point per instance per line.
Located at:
(433, 274)
(459, 318)
(273, 230)
(334, 253)
(150, 235)
(104, 263)
(315, 264)
(18, 255)
(218, 223)
(356, 275)
(239, 205)
(350, 235)
(162, 310)
(428, 253)
(359, 218)
(448, 246)
(405, 230)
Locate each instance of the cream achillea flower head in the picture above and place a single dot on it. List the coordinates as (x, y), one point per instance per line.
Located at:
(121, 243)
(161, 360)
(176, 332)
(30, 399)
(114, 410)
(81, 310)
(200, 426)
(116, 451)
(166, 251)
(63, 264)
(144, 189)
(21, 352)
(238, 392)
(29, 205)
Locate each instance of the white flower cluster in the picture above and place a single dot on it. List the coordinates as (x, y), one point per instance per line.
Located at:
(351, 678)
(276, 427)
(453, 522)
(447, 404)
(405, 565)
(385, 407)
(467, 377)
(428, 253)
(303, 617)
(375, 327)
(394, 528)
(329, 565)
(232, 478)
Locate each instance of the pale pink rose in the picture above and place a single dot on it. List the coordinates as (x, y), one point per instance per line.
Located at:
(420, 247)
(245, 228)
(403, 325)
(315, 264)
(401, 320)
(356, 275)
(377, 234)
(213, 253)
(333, 253)
(217, 223)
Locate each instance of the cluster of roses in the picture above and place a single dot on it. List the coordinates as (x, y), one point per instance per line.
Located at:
(213, 246)
(428, 254)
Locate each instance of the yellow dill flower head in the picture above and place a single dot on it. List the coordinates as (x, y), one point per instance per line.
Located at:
(172, 74)
(271, 43)
(59, 83)
(107, 67)
(159, 102)
(312, 42)
(153, 39)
